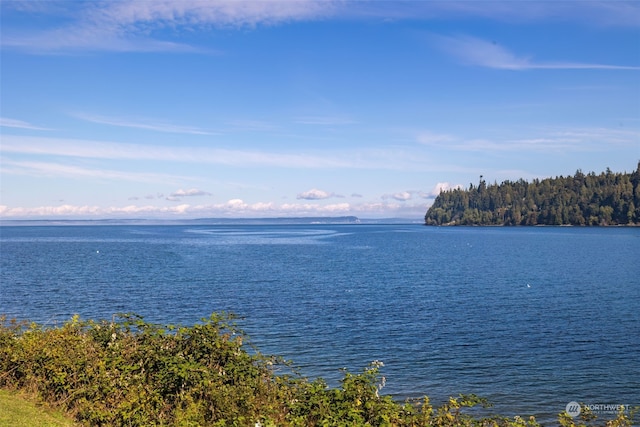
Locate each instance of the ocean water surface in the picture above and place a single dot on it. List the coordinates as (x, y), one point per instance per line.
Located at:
(531, 318)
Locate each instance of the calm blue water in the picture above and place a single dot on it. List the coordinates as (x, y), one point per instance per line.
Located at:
(531, 318)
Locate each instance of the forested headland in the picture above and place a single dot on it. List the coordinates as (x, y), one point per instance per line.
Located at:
(608, 198)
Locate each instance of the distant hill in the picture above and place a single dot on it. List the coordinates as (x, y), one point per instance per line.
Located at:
(605, 199)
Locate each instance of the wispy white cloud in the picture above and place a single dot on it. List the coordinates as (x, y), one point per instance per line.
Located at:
(19, 124)
(138, 14)
(596, 13)
(148, 197)
(572, 139)
(89, 37)
(542, 140)
(483, 53)
(598, 136)
(50, 169)
(617, 13)
(142, 124)
(325, 120)
(132, 25)
(253, 125)
(114, 150)
(388, 159)
(429, 138)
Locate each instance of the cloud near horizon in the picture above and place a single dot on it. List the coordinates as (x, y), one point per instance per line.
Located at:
(314, 194)
(177, 196)
(190, 193)
(443, 186)
(236, 208)
(404, 196)
(401, 196)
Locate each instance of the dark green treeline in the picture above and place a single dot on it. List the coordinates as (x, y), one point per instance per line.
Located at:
(605, 199)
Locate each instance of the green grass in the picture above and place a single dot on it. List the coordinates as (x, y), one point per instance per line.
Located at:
(17, 411)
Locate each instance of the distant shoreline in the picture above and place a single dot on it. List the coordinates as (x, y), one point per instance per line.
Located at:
(341, 220)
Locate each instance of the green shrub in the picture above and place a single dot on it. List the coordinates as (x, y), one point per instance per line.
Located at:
(128, 372)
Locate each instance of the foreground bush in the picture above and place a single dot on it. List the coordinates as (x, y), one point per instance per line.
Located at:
(132, 373)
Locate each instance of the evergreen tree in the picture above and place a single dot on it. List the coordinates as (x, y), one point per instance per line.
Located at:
(606, 199)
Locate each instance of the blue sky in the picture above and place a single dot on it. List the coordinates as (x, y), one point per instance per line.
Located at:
(163, 109)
